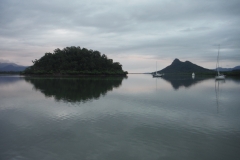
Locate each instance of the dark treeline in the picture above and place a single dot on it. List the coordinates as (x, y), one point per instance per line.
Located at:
(235, 73)
(10, 72)
(75, 61)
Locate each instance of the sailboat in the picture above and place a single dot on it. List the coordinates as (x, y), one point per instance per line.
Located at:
(156, 74)
(219, 76)
(193, 75)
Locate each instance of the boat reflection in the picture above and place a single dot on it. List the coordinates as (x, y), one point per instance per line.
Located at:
(75, 89)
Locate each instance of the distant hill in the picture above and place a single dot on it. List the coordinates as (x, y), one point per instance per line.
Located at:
(184, 67)
(236, 68)
(227, 69)
(7, 67)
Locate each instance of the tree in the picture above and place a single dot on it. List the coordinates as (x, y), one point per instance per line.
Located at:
(74, 60)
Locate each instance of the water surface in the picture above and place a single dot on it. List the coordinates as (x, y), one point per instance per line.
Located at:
(106, 118)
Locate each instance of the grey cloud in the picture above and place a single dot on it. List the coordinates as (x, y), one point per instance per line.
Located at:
(164, 29)
(4, 61)
(195, 29)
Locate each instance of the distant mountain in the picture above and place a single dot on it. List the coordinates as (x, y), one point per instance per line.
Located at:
(236, 68)
(6, 64)
(227, 69)
(184, 67)
(223, 69)
(7, 67)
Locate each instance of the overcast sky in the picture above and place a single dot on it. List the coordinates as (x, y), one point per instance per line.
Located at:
(136, 33)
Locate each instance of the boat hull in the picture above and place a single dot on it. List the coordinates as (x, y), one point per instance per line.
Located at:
(220, 77)
(157, 75)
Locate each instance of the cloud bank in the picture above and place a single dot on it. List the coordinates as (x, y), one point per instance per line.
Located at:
(134, 33)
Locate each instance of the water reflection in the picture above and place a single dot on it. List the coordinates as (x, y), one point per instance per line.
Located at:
(9, 79)
(75, 89)
(217, 91)
(183, 81)
(132, 122)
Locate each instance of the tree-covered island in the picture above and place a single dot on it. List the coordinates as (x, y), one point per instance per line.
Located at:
(74, 61)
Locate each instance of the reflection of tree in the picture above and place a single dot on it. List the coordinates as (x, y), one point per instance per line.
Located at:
(179, 81)
(75, 89)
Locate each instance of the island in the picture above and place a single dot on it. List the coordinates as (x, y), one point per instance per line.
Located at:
(177, 68)
(74, 61)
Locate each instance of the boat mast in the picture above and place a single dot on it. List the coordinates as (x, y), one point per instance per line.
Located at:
(156, 67)
(218, 60)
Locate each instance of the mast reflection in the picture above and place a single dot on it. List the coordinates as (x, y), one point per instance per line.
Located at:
(217, 91)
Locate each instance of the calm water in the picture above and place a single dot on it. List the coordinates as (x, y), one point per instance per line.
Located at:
(138, 117)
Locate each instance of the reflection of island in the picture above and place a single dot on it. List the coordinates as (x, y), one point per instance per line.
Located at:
(75, 89)
(185, 81)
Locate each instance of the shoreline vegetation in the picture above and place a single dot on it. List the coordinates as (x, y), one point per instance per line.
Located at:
(81, 62)
(235, 73)
(74, 61)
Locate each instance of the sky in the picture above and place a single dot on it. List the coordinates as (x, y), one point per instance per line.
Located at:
(137, 33)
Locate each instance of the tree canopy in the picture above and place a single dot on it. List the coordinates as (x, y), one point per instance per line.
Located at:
(75, 61)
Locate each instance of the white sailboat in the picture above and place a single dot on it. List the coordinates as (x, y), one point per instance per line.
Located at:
(193, 75)
(219, 76)
(156, 74)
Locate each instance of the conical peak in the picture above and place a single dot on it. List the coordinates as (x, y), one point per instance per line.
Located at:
(176, 61)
